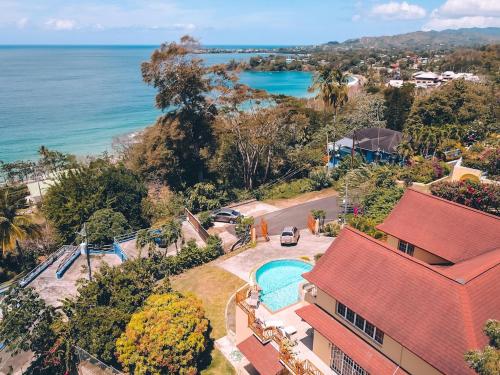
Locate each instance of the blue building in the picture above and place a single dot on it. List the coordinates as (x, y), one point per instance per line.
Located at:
(372, 144)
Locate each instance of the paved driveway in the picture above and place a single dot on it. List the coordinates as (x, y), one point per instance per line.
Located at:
(297, 215)
(243, 264)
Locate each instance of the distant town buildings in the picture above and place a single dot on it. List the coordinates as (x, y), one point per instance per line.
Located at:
(426, 80)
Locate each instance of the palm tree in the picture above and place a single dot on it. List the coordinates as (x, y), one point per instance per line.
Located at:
(170, 233)
(14, 225)
(405, 150)
(332, 89)
(167, 235)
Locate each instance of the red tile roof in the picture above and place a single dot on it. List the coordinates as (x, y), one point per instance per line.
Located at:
(365, 355)
(450, 230)
(421, 306)
(264, 357)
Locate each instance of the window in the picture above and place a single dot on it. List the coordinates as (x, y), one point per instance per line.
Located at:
(360, 323)
(350, 315)
(379, 336)
(343, 364)
(369, 329)
(406, 247)
(340, 309)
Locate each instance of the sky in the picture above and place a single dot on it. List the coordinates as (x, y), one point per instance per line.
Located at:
(263, 22)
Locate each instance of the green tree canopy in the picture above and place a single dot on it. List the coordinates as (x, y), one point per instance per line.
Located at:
(29, 324)
(177, 147)
(104, 225)
(487, 361)
(99, 314)
(168, 336)
(79, 193)
(398, 102)
(458, 102)
(15, 225)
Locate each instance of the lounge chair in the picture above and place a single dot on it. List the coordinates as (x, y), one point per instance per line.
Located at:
(288, 331)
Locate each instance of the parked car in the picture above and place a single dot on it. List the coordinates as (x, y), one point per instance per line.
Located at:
(226, 215)
(289, 236)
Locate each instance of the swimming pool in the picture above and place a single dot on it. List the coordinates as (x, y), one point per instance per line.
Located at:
(279, 281)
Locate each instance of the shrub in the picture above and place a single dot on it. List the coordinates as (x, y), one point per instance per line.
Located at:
(317, 256)
(366, 225)
(204, 197)
(484, 197)
(484, 158)
(332, 229)
(320, 178)
(424, 171)
(243, 226)
(289, 189)
(206, 219)
(104, 225)
(169, 335)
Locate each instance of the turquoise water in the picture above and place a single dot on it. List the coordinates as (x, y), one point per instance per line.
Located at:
(77, 99)
(279, 281)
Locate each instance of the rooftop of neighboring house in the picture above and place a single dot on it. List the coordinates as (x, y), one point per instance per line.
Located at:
(426, 75)
(435, 312)
(449, 230)
(373, 139)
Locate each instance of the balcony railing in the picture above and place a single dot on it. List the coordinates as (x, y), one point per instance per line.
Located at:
(266, 334)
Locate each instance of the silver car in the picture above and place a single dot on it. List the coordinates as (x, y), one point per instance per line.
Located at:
(290, 236)
(226, 215)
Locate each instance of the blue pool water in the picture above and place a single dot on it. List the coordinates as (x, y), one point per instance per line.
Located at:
(279, 281)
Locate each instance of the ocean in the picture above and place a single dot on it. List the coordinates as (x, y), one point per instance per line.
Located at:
(77, 99)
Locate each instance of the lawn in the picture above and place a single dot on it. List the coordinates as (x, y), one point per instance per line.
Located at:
(213, 286)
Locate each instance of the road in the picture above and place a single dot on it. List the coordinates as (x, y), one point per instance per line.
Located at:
(297, 215)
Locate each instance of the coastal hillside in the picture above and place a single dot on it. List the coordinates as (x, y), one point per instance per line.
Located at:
(423, 39)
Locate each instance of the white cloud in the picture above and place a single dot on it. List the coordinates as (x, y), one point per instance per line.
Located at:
(60, 24)
(356, 17)
(455, 14)
(22, 22)
(402, 11)
(438, 23)
(464, 8)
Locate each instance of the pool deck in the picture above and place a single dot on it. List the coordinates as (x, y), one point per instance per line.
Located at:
(303, 338)
(245, 263)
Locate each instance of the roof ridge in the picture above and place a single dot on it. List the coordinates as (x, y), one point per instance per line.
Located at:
(453, 203)
(467, 318)
(403, 255)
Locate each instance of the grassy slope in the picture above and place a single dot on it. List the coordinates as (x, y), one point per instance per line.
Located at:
(213, 286)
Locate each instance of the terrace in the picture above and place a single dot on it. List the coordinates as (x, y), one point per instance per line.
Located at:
(295, 350)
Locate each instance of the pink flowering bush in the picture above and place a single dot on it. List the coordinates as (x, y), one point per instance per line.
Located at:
(484, 197)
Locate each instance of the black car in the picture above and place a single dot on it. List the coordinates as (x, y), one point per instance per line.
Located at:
(226, 215)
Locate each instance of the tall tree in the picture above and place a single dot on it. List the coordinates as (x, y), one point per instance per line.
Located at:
(258, 135)
(398, 103)
(184, 93)
(15, 225)
(332, 88)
